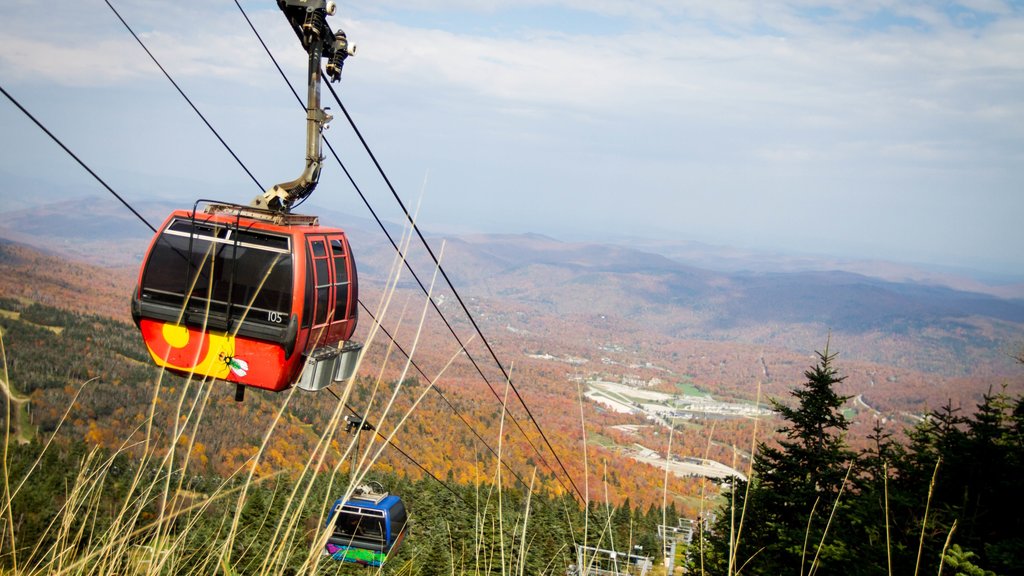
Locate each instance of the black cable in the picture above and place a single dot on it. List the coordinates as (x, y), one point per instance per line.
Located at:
(77, 159)
(240, 163)
(455, 292)
(444, 398)
(422, 286)
(394, 244)
(468, 504)
(182, 92)
(402, 452)
(244, 167)
(451, 329)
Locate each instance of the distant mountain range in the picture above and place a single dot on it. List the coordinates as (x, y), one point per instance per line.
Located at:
(682, 301)
(731, 259)
(958, 330)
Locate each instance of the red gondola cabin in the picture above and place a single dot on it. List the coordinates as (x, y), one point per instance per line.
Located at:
(249, 296)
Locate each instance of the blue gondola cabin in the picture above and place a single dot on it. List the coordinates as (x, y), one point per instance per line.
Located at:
(366, 528)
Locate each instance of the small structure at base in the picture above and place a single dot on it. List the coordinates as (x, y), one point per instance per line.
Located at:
(593, 561)
(674, 537)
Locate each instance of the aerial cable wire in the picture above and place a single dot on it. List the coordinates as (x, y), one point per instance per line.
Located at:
(402, 452)
(187, 99)
(455, 292)
(451, 329)
(442, 396)
(77, 159)
(247, 171)
(433, 256)
(244, 167)
(444, 484)
(380, 169)
(394, 244)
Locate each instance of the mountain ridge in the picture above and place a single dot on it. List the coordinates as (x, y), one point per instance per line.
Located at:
(960, 331)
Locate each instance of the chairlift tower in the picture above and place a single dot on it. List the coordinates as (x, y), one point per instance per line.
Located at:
(672, 537)
(593, 561)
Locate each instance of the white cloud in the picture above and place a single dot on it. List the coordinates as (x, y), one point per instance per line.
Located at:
(788, 98)
(75, 65)
(86, 45)
(694, 67)
(682, 61)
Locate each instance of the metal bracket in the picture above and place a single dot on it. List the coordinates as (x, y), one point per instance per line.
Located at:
(309, 21)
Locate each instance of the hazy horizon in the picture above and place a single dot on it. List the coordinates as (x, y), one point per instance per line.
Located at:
(700, 254)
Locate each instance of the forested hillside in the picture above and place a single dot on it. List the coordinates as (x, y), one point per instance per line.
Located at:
(611, 348)
(140, 468)
(98, 434)
(141, 473)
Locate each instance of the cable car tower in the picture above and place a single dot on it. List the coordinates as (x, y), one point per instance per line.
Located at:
(256, 295)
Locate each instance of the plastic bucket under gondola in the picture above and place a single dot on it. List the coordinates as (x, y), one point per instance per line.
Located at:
(327, 365)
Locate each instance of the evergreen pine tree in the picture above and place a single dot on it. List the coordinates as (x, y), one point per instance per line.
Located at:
(778, 517)
(977, 486)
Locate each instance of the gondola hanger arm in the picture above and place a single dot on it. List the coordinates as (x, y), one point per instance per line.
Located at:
(309, 21)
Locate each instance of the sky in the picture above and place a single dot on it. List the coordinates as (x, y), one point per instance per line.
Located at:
(874, 129)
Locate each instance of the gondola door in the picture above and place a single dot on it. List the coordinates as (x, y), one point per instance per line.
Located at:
(323, 298)
(331, 291)
(343, 289)
(329, 311)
